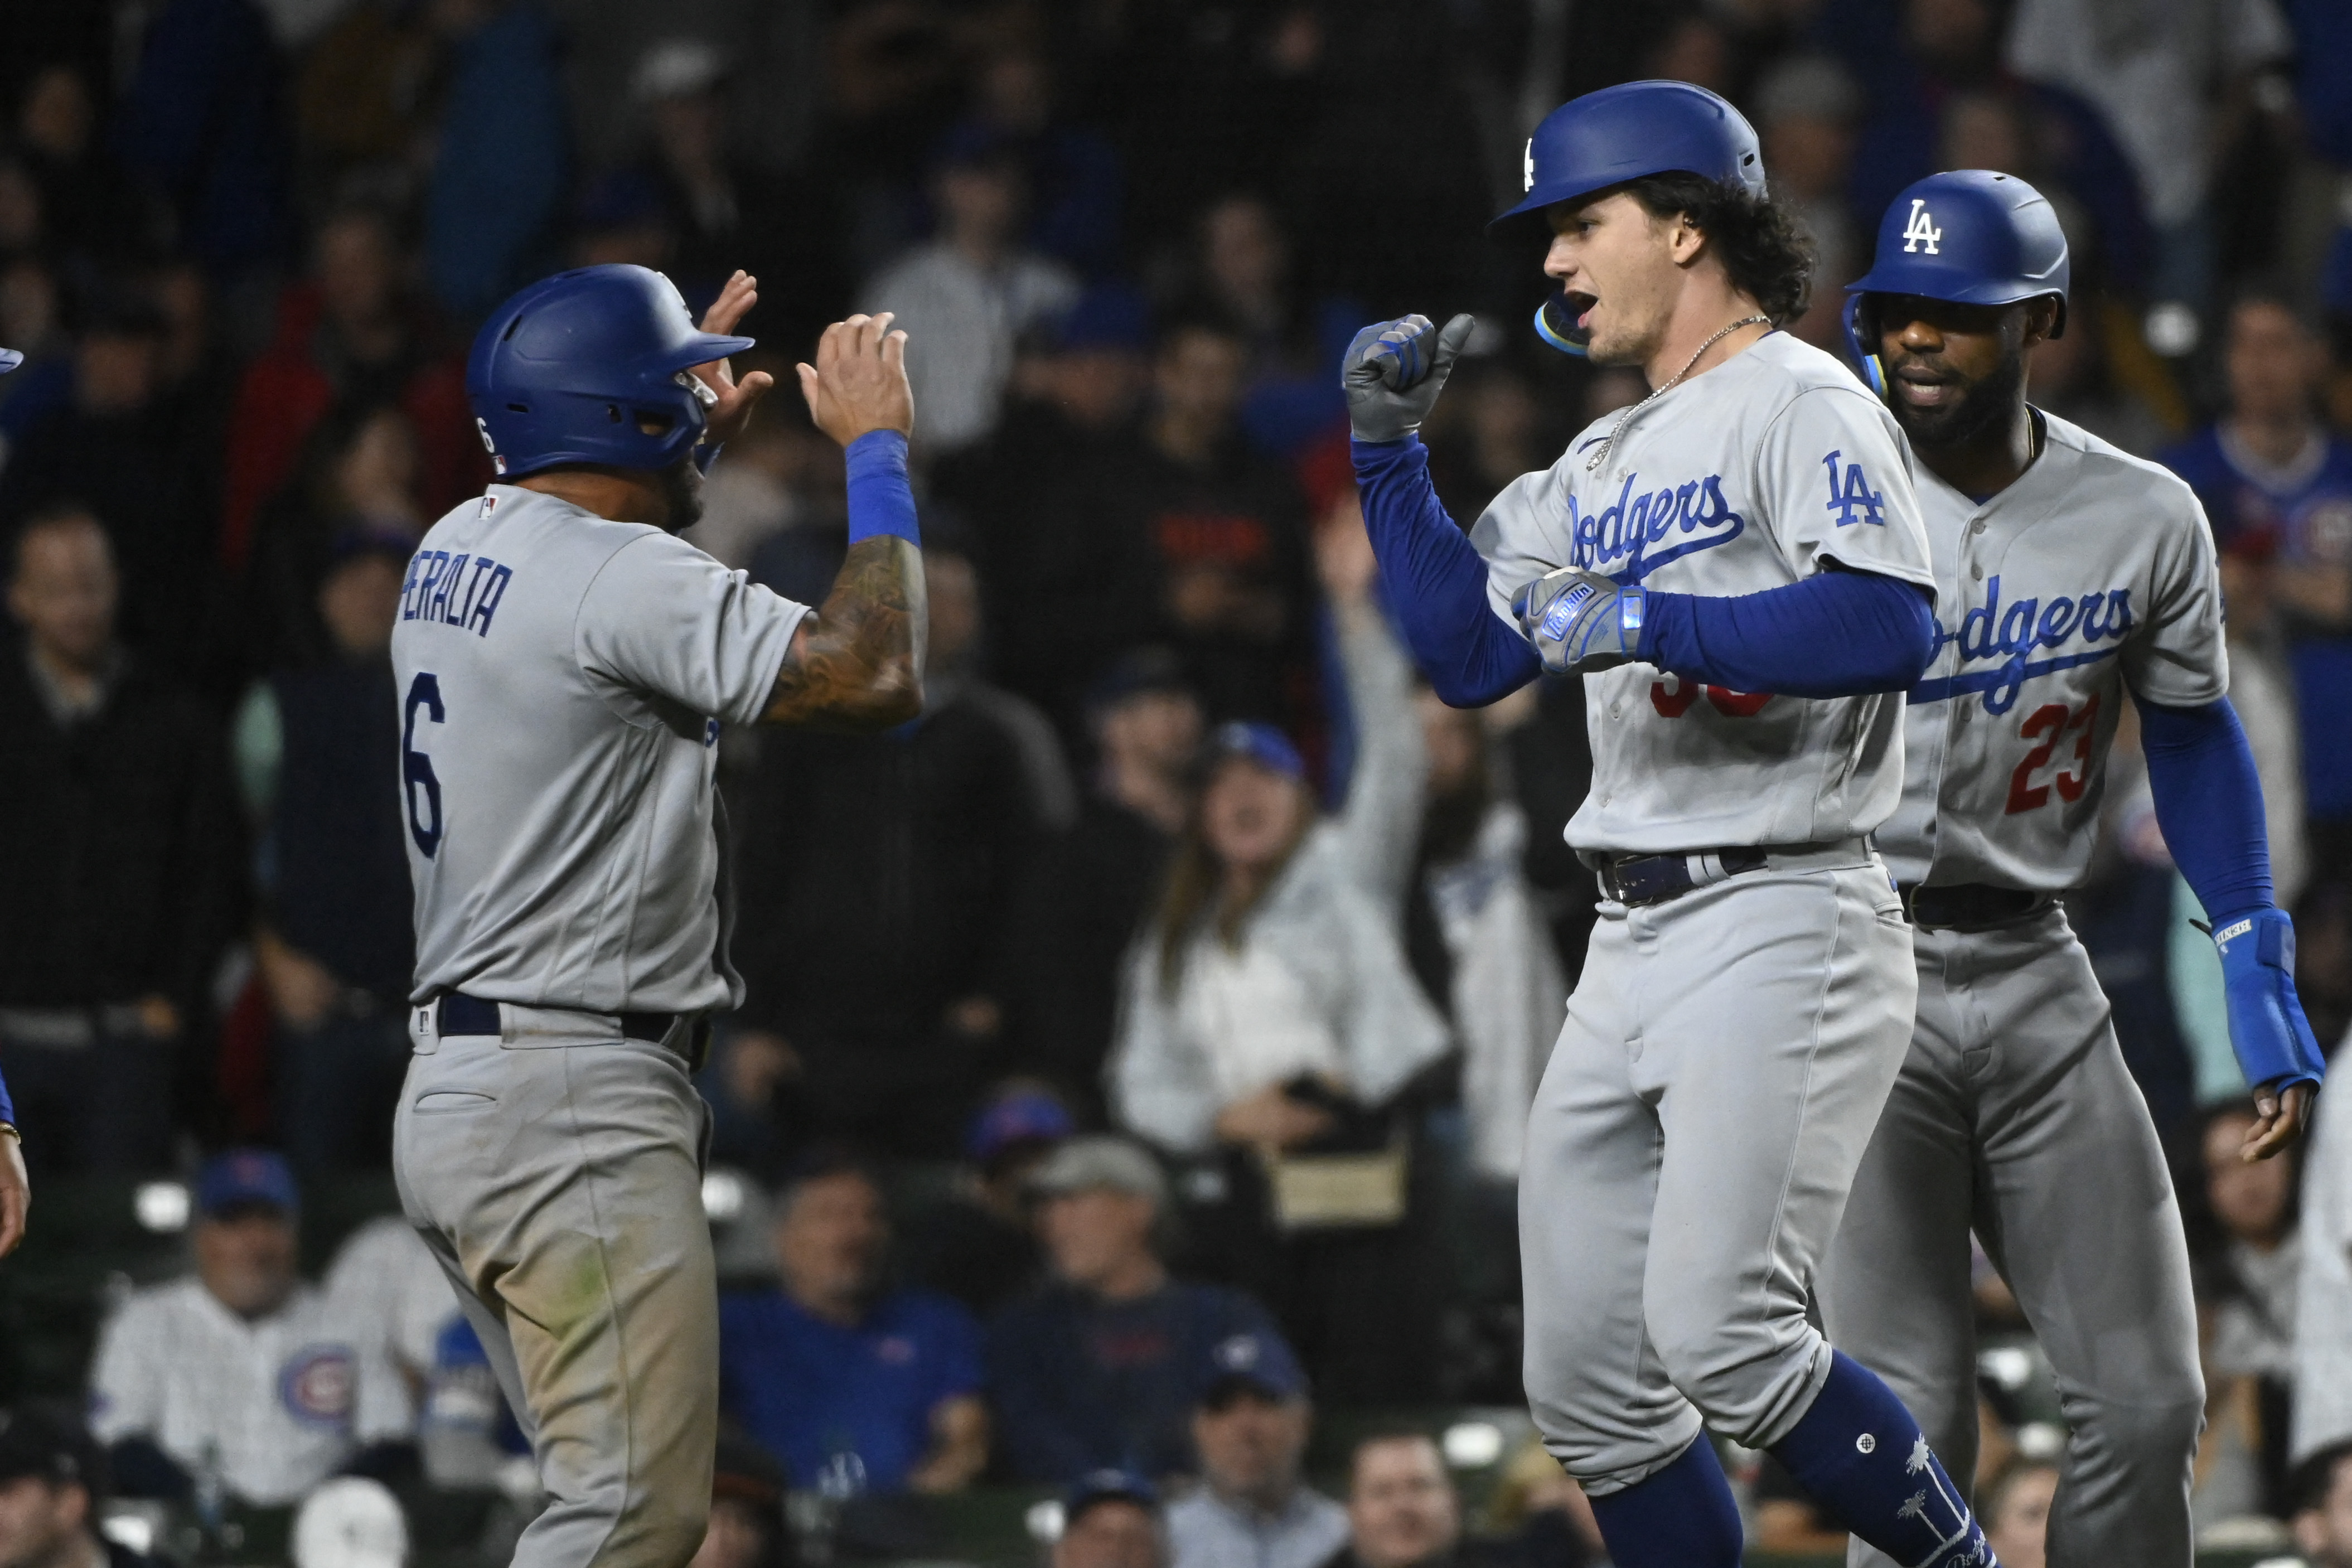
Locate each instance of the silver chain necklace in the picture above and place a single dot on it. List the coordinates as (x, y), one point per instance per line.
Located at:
(1593, 464)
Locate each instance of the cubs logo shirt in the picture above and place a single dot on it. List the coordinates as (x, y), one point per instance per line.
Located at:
(1753, 476)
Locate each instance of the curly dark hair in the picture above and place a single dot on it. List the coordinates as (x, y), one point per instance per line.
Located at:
(1763, 245)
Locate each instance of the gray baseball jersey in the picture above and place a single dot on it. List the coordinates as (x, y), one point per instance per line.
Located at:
(564, 680)
(2014, 1115)
(2093, 572)
(1751, 476)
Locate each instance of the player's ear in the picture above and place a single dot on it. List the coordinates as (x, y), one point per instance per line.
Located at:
(2044, 320)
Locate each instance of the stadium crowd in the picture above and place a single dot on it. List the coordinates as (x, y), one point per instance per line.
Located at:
(1135, 1045)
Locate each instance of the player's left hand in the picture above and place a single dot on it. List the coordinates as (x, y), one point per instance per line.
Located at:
(2280, 1118)
(2274, 1044)
(726, 419)
(15, 1191)
(1580, 621)
(1393, 372)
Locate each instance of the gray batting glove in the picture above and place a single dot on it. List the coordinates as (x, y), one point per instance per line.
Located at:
(1581, 621)
(1394, 370)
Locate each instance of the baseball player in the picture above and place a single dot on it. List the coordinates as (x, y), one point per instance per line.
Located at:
(564, 664)
(2068, 574)
(16, 1190)
(1737, 564)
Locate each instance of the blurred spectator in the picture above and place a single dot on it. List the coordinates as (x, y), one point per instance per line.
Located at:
(1101, 1364)
(1250, 1428)
(976, 1245)
(334, 942)
(2269, 466)
(851, 1385)
(358, 480)
(1068, 579)
(761, 489)
(1291, 387)
(386, 1284)
(140, 460)
(363, 105)
(1403, 1510)
(500, 152)
(32, 322)
(1269, 1013)
(1499, 435)
(1090, 886)
(2253, 1271)
(1550, 1514)
(2160, 74)
(1806, 106)
(2073, 377)
(747, 1528)
(969, 294)
(89, 208)
(2323, 1312)
(2323, 1520)
(877, 876)
(1221, 533)
(620, 219)
(119, 854)
(52, 1487)
(1072, 174)
(240, 1377)
(353, 337)
(2262, 692)
(1111, 1520)
(2016, 1511)
(203, 119)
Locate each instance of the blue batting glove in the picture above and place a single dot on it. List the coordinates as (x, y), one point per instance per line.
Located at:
(1579, 621)
(2273, 1038)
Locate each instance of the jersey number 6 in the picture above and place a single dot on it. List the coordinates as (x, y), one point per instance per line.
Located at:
(2053, 722)
(417, 768)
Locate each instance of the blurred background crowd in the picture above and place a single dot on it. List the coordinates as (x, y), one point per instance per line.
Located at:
(1135, 1043)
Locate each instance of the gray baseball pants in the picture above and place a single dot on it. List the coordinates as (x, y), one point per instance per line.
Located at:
(1725, 1059)
(555, 1171)
(2015, 1116)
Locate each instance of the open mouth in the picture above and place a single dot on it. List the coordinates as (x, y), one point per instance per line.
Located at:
(1921, 388)
(1579, 308)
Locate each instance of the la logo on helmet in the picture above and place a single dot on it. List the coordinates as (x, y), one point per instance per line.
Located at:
(1921, 229)
(1529, 168)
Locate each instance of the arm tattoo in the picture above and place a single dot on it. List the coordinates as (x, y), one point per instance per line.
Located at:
(857, 662)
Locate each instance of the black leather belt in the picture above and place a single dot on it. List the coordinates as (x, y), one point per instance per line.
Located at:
(1638, 879)
(458, 1014)
(1971, 906)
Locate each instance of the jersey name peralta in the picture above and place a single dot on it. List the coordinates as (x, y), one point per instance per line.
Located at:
(2094, 572)
(1752, 476)
(562, 679)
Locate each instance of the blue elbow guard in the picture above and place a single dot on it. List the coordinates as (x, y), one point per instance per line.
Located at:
(2273, 1040)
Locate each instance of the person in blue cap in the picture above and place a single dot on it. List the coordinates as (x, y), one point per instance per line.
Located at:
(1111, 1519)
(977, 1246)
(1251, 1425)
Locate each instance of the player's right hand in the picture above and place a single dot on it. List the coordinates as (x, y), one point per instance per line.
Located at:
(859, 383)
(1394, 370)
(1580, 621)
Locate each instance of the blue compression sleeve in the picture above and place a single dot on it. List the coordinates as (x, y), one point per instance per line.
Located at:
(2209, 802)
(1436, 582)
(1836, 634)
(7, 1107)
(880, 499)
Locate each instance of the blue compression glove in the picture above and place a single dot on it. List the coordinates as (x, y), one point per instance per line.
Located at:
(2209, 802)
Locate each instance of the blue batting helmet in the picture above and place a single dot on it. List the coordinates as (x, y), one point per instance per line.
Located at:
(1971, 237)
(569, 369)
(1620, 133)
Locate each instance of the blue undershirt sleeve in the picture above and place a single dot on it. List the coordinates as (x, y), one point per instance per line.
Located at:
(880, 499)
(1436, 581)
(1835, 634)
(2209, 802)
(7, 1107)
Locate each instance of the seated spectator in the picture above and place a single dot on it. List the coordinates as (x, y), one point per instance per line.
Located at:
(352, 335)
(1111, 1520)
(2016, 1513)
(334, 944)
(2251, 1279)
(977, 1245)
(1296, 343)
(1090, 886)
(1101, 1364)
(1250, 1426)
(877, 875)
(850, 1384)
(143, 461)
(1269, 1014)
(970, 293)
(747, 1528)
(117, 852)
(52, 1487)
(2270, 466)
(241, 1374)
(2322, 1517)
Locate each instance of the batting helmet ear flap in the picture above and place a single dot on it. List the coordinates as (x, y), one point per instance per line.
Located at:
(1556, 325)
(1861, 331)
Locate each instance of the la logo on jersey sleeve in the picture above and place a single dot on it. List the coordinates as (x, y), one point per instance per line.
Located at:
(1852, 499)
